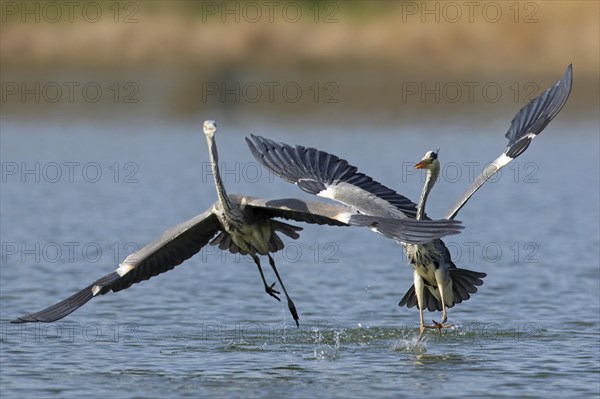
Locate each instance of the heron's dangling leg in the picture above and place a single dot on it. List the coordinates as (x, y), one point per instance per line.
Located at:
(419, 287)
(268, 288)
(291, 305)
(421, 323)
(436, 325)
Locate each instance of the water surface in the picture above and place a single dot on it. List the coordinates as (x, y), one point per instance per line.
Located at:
(208, 329)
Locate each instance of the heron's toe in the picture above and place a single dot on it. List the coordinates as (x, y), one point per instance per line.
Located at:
(439, 326)
(272, 291)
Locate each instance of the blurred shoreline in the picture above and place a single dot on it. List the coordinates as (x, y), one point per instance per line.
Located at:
(293, 59)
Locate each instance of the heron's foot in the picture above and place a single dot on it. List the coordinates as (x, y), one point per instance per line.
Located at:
(439, 326)
(293, 311)
(272, 291)
(421, 331)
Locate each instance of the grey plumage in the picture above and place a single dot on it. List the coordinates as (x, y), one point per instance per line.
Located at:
(174, 246)
(464, 283)
(524, 127)
(304, 167)
(324, 174)
(315, 171)
(239, 224)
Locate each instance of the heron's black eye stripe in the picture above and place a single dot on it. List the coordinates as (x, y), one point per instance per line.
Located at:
(434, 155)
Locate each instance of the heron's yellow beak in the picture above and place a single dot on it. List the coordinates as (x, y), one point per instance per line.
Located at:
(421, 165)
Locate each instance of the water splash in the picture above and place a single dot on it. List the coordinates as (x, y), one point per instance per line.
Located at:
(327, 344)
(412, 343)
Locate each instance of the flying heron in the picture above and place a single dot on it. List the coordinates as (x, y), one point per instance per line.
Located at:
(438, 283)
(239, 224)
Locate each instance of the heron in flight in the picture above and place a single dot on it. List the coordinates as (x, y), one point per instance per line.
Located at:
(438, 282)
(239, 224)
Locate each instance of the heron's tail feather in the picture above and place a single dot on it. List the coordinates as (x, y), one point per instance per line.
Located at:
(225, 243)
(275, 243)
(410, 300)
(464, 283)
(287, 229)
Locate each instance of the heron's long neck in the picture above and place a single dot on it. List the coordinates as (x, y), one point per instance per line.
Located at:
(432, 176)
(214, 163)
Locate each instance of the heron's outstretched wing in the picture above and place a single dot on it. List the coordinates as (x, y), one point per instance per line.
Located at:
(326, 175)
(409, 231)
(302, 211)
(174, 246)
(405, 230)
(525, 126)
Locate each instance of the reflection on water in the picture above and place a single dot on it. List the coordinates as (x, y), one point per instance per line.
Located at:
(207, 328)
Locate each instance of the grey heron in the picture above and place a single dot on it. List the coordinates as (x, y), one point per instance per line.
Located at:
(239, 224)
(438, 282)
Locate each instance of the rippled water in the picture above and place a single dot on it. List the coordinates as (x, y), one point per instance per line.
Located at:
(77, 199)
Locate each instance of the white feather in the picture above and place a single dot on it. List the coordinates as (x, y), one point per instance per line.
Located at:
(123, 269)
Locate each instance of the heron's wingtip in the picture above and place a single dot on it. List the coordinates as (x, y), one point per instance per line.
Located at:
(568, 76)
(24, 319)
(253, 138)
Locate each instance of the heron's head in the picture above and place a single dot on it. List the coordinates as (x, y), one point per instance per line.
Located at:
(210, 128)
(429, 161)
